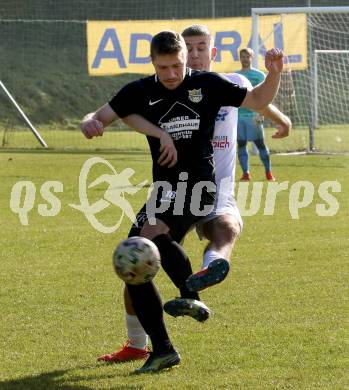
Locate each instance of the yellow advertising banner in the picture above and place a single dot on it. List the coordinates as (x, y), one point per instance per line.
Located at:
(124, 46)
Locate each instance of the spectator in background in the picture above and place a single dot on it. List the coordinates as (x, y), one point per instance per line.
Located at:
(250, 123)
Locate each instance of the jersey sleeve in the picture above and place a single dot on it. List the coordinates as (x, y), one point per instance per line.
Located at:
(229, 93)
(127, 101)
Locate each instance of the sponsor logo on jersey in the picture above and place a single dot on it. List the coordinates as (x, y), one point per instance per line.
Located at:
(195, 95)
(151, 103)
(221, 115)
(180, 121)
(220, 142)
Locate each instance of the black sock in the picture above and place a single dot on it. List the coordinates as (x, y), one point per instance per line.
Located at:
(148, 307)
(175, 263)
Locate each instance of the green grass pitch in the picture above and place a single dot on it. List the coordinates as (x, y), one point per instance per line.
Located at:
(280, 320)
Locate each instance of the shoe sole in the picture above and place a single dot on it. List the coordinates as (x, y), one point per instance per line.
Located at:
(217, 272)
(181, 307)
(170, 362)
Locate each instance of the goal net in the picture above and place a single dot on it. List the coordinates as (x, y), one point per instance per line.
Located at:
(314, 84)
(331, 99)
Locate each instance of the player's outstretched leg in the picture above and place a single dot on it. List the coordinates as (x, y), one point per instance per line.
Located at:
(215, 273)
(177, 265)
(222, 231)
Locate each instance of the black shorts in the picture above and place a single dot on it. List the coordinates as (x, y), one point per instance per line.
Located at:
(179, 225)
(141, 219)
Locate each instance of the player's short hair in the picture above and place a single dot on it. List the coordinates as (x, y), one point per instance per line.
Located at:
(247, 50)
(166, 42)
(196, 30)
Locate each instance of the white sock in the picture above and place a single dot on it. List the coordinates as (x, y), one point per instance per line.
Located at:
(136, 334)
(209, 256)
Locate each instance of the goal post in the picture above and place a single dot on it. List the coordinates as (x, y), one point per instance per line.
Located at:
(316, 61)
(31, 127)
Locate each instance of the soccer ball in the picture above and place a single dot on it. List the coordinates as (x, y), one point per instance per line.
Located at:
(136, 260)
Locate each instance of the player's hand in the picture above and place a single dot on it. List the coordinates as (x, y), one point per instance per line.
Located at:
(92, 128)
(168, 156)
(283, 130)
(274, 60)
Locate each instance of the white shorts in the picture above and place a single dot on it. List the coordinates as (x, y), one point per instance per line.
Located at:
(229, 207)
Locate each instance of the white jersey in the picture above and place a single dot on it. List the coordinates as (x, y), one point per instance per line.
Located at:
(225, 145)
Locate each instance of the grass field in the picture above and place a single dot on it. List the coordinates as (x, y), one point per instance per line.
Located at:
(280, 319)
(333, 138)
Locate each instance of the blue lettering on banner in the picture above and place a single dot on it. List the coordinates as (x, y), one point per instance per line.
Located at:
(262, 48)
(135, 38)
(102, 53)
(279, 44)
(110, 38)
(231, 47)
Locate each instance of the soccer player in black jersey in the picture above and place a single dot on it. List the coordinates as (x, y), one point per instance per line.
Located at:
(222, 226)
(183, 103)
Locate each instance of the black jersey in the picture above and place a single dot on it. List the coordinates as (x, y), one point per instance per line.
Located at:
(187, 113)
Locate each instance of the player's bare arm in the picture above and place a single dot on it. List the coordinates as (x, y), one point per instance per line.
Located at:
(264, 93)
(282, 130)
(168, 156)
(93, 124)
(282, 121)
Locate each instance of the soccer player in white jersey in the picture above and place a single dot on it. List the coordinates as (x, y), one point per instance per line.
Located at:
(223, 226)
